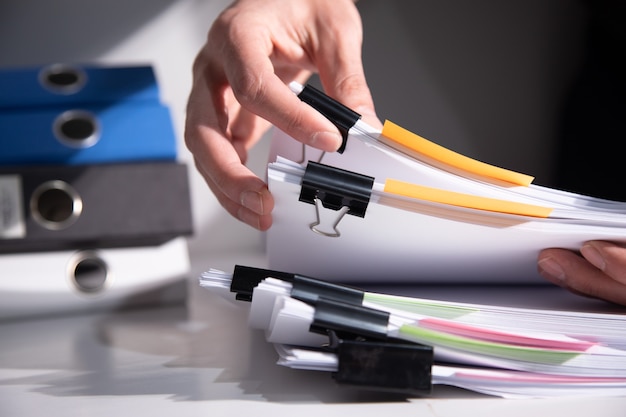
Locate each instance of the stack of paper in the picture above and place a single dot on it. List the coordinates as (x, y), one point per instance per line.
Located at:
(489, 349)
(393, 207)
(428, 215)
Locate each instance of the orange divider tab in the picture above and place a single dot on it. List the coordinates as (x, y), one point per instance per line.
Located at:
(464, 200)
(441, 154)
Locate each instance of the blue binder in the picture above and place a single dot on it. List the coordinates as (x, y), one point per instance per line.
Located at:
(67, 84)
(113, 132)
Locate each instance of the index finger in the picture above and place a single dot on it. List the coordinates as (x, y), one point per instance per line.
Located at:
(259, 90)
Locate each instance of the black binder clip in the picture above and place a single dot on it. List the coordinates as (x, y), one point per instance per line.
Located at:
(307, 289)
(389, 366)
(336, 189)
(367, 358)
(341, 116)
(246, 278)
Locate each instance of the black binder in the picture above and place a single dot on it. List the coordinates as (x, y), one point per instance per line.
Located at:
(93, 206)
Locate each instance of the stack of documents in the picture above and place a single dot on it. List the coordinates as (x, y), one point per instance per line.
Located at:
(395, 207)
(95, 205)
(405, 344)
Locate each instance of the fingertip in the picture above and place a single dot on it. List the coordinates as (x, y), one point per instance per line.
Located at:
(264, 223)
(593, 255)
(551, 270)
(326, 141)
(260, 222)
(257, 201)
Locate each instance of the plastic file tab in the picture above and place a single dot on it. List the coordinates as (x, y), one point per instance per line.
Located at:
(75, 84)
(113, 132)
(98, 206)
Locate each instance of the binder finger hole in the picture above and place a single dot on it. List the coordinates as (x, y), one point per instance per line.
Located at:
(77, 129)
(62, 79)
(55, 205)
(89, 273)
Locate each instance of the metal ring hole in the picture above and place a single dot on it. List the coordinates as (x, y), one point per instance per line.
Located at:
(77, 129)
(55, 205)
(62, 79)
(89, 273)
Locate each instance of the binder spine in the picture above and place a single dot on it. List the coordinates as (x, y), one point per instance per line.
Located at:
(67, 84)
(115, 132)
(61, 282)
(106, 205)
(94, 208)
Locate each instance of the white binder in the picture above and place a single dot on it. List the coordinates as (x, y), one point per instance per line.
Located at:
(44, 283)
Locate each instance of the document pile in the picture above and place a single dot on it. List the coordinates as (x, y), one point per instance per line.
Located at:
(394, 208)
(95, 206)
(406, 344)
(392, 204)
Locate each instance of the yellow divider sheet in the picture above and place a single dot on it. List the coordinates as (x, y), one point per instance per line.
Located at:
(439, 153)
(464, 200)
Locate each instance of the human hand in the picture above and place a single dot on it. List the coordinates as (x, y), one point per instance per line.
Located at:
(599, 271)
(255, 48)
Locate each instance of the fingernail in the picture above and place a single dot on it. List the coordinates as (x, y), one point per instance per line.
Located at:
(593, 256)
(551, 270)
(327, 140)
(252, 200)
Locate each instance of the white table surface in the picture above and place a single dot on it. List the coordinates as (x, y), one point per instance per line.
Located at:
(201, 359)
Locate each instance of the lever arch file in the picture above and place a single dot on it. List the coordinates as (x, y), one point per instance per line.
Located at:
(66, 281)
(93, 206)
(68, 84)
(87, 134)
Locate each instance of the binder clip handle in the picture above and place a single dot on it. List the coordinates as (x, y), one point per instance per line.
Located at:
(336, 189)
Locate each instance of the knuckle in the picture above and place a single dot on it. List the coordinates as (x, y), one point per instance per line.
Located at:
(351, 84)
(247, 87)
(294, 121)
